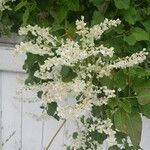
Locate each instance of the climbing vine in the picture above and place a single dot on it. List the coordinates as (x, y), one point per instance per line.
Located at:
(103, 69)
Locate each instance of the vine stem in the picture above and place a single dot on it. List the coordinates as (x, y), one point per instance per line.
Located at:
(131, 97)
(53, 138)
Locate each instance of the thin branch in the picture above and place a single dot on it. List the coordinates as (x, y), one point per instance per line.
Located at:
(53, 138)
(7, 140)
(132, 97)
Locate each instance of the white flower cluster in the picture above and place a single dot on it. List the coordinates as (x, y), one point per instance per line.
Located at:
(101, 126)
(88, 99)
(94, 33)
(105, 51)
(134, 59)
(58, 90)
(4, 6)
(104, 126)
(80, 141)
(88, 60)
(41, 44)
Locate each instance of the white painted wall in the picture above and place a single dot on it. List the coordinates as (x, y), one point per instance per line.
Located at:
(30, 134)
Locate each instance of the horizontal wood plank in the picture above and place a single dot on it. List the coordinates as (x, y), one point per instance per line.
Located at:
(8, 61)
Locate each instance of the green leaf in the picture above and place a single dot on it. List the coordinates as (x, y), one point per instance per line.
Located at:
(60, 15)
(125, 105)
(147, 10)
(119, 136)
(39, 94)
(146, 24)
(106, 81)
(131, 40)
(139, 72)
(73, 5)
(146, 110)
(96, 111)
(31, 60)
(131, 15)
(139, 85)
(75, 135)
(99, 137)
(134, 148)
(113, 103)
(51, 111)
(97, 2)
(114, 148)
(131, 124)
(67, 74)
(26, 16)
(31, 65)
(122, 4)
(120, 79)
(97, 17)
(137, 34)
(135, 127)
(144, 96)
(68, 148)
(20, 5)
(140, 34)
(120, 120)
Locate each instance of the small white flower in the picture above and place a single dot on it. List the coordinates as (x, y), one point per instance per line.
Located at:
(4, 6)
(87, 60)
